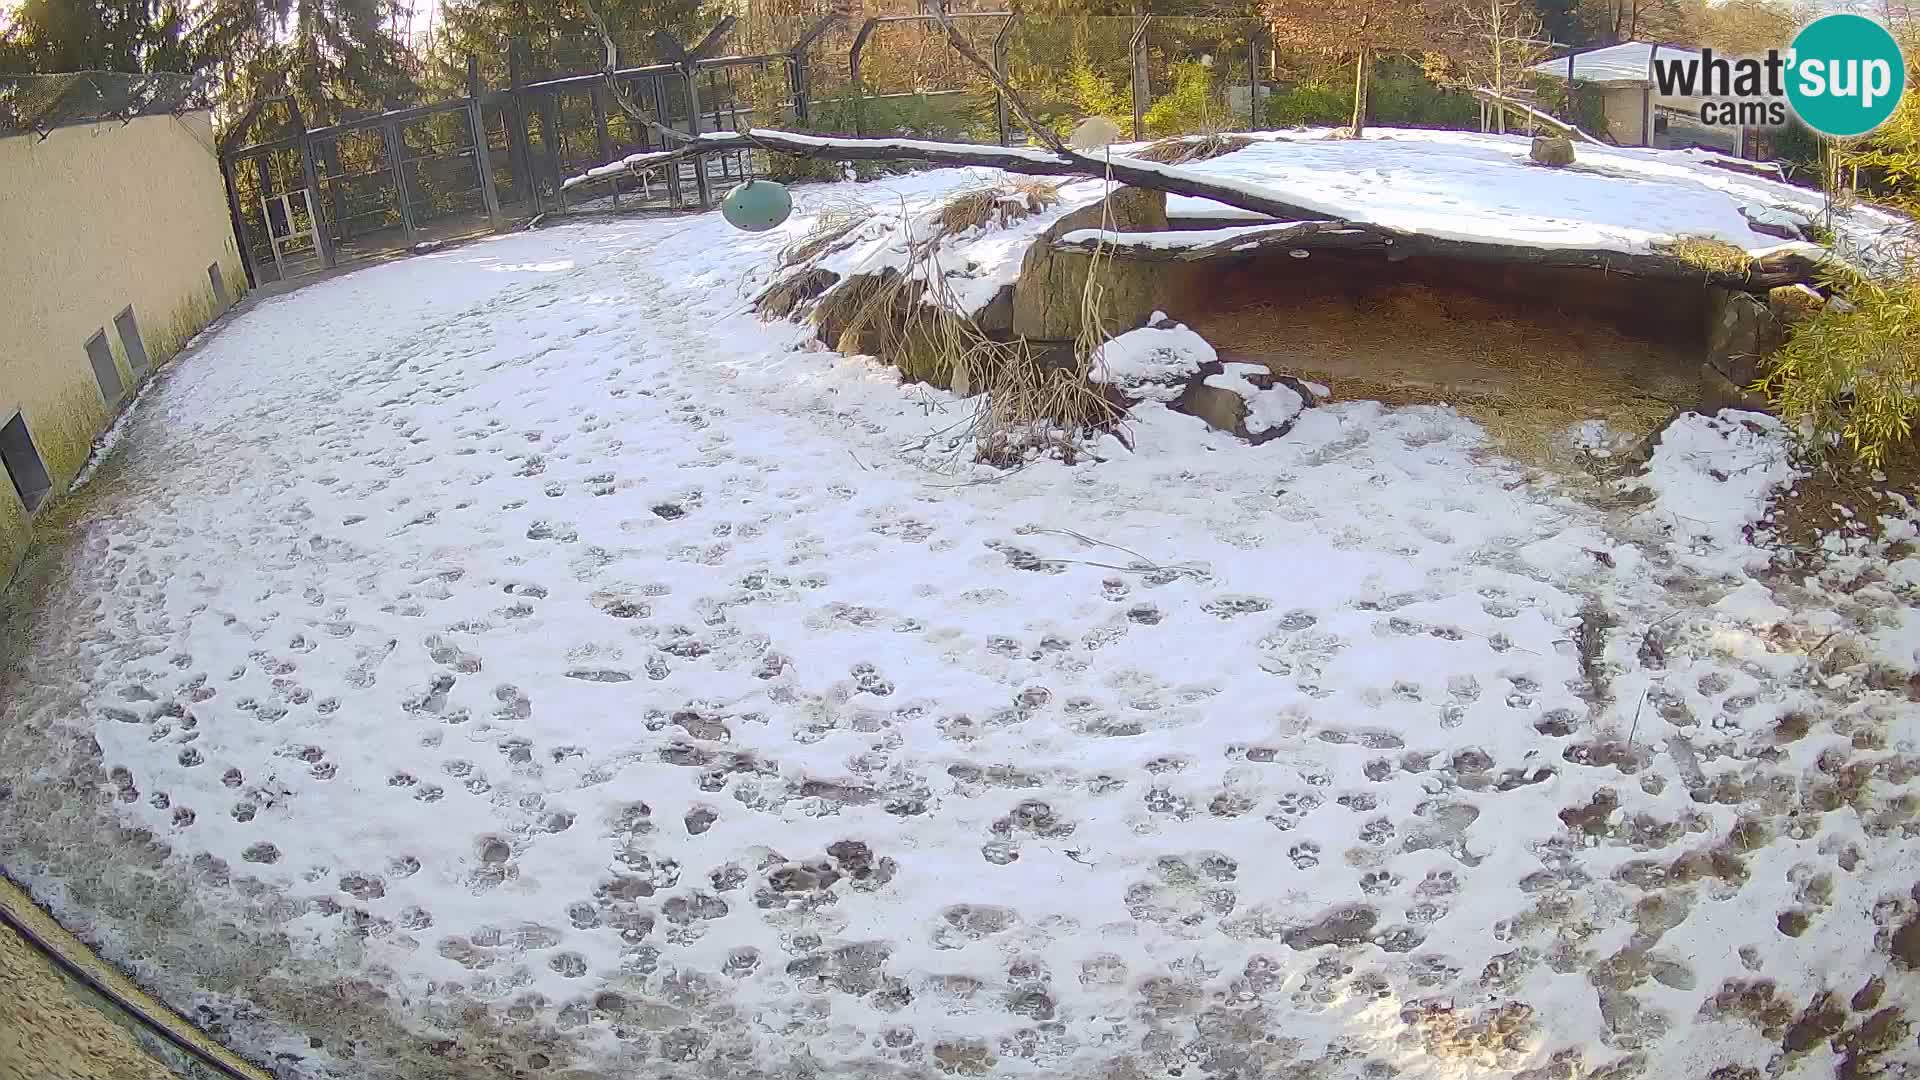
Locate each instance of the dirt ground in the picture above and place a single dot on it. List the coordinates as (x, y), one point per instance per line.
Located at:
(54, 1027)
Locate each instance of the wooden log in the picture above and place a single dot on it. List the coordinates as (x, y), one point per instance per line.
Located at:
(1763, 274)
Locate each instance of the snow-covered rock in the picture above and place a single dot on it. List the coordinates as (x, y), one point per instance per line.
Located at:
(1153, 363)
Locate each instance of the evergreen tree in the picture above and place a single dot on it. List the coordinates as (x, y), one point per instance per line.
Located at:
(93, 35)
(336, 57)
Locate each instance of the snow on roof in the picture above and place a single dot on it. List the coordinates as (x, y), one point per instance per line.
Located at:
(1460, 185)
(1627, 62)
(1453, 185)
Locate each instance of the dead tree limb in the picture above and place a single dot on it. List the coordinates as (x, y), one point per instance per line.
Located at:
(1528, 112)
(1765, 272)
(966, 50)
(620, 95)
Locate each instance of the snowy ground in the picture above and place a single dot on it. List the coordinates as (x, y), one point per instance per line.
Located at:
(521, 645)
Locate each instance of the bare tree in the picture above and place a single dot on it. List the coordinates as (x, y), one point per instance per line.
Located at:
(1616, 21)
(1360, 30)
(1489, 45)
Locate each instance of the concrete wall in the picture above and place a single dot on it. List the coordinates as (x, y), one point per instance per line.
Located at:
(1625, 108)
(95, 218)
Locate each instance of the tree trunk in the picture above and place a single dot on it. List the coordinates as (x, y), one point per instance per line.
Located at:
(1360, 76)
(1499, 73)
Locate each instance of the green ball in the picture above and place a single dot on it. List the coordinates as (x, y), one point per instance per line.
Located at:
(757, 205)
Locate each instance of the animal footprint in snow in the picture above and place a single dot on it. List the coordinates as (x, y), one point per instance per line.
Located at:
(1305, 855)
(1227, 607)
(1291, 807)
(867, 680)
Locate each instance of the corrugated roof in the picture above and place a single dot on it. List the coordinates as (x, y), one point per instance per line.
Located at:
(1628, 62)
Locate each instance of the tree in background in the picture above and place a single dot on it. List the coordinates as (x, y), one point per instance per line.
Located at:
(47, 36)
(1748, 27)
(1488, 44)
(1360, 30)
(336, 57)
(1610, 22)
(558, 34)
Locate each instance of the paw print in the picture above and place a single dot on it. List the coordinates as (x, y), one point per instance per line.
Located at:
(1305, 855)
(1377, 831)
(1291, 807)
(1378, 883)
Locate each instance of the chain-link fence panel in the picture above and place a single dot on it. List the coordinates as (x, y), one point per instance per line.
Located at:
(41, 103)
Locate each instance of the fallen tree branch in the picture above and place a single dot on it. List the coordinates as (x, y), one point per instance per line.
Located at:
(1526, 111)
(1763, 273)
(1029, 161)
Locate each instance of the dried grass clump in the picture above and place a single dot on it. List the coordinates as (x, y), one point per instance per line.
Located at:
(1000, 205)
(1025, 403)
(1187, 149)
(829, 232)
(1713, 255)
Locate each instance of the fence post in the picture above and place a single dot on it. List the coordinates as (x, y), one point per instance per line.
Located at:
(322, 236)
(797, 86)
(550, 138)
(239, 220)
(798, 71)
(1141, 91)
(1000, 69)
(330, 166)
(853, 71)
(482, 153)
(519, 147)
(1253, 79)
(599, 95)
(396, 157)
(692, 72)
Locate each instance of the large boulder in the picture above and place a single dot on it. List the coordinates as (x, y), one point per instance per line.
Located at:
(1719, 392)
(1551, 150)
(1047, 298)
(1741, 332)
(1246, 400)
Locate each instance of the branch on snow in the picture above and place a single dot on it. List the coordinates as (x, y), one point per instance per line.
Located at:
(1765, 272)
(1171, 179)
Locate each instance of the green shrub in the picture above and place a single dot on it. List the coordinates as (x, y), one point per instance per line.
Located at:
(1191, 107)
(1089, 94)
(1311, 104)
(1398, 95)
(1855, 374)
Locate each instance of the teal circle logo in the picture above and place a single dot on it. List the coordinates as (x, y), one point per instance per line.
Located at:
(1847, 75)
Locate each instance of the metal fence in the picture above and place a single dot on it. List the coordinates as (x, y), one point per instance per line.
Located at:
(38, 104)
(315, 198)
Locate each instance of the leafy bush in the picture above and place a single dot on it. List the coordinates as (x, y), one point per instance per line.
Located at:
(1191, 107)
(1090, 94)
(1852, 371)
(943, 117)
(1398, 95)
(1311, 104)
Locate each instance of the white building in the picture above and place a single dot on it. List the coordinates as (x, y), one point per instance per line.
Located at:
(1635, 112)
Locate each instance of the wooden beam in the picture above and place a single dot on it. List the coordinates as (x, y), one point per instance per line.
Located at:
(1779, 268)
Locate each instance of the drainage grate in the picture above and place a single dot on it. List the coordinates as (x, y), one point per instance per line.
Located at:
(128, 328)
(105, 371)
(23, 464)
